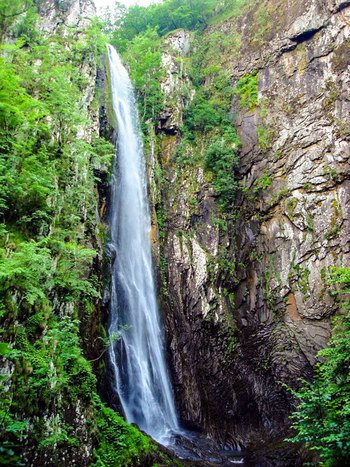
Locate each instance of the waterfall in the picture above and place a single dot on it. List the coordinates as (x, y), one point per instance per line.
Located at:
(137, 355)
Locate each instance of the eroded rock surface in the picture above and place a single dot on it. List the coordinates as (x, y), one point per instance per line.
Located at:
(71, 13)
(247, 304)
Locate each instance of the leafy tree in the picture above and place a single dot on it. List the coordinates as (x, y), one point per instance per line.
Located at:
(144, 59)
(166, 17)
(322, 420)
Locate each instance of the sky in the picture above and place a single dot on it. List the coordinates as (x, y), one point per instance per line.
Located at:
(102, 3)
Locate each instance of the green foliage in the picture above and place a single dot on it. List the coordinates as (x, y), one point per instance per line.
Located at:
(166, 17)
(52, 373)
(341, 276)
(126, 23)
(92, 42)
(265, 138)
(205, 113)
(221, 160)
(41, 153)
(263, 182)
(103, 152)
(144, 58)
(53, 365)
(207, 122)
(8, 424)
(119, 443)
(24, 185)
(322, 420)
(247, 89)
(208, 113)
(28, 270)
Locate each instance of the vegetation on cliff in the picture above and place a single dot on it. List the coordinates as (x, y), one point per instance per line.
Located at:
(322, 420)
(163, 17)
(50, 244)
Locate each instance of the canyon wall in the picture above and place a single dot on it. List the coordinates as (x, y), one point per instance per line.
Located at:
(244, 291)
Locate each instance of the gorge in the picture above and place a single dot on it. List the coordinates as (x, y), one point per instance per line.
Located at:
(244, 121)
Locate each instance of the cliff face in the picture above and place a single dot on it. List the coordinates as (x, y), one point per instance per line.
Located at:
(247, 305)
(67, 13)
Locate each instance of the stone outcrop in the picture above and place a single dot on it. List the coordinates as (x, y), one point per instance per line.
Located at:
(178, 46)
(247, 304)
(65, 13)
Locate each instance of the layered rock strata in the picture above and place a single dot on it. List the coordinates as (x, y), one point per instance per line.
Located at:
(246, 303)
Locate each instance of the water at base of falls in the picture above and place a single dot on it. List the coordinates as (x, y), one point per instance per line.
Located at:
(197, 447)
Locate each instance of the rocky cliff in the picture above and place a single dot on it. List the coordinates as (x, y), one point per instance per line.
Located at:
(245, 300)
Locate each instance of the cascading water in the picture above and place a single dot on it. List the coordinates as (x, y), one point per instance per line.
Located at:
(137, 357)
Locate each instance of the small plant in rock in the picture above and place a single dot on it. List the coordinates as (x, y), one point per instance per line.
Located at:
(221, 160)
(263, 182)
(247, 89)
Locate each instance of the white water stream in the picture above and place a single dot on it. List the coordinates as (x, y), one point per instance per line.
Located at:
(137, 357)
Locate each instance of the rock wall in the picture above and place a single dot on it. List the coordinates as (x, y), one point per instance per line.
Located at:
(246, 302)
(67, 13)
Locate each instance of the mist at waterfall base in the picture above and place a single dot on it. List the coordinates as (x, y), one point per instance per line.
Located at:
(137, 355)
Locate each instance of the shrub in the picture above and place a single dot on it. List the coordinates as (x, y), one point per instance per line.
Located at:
(322, 420)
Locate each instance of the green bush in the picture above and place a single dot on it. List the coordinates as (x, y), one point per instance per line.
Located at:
(221, 160)
(322, 420)
(204, 113)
